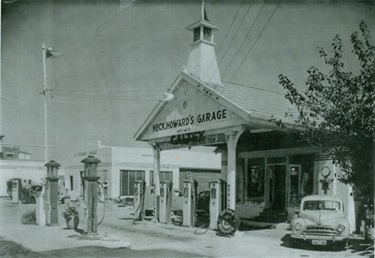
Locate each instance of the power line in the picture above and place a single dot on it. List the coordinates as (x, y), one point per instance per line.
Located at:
(225, 37)
(243, 60)
(106, 97)
(103, 94)
(261, 89)
(238, 28)
(252, 25)
(105, 91)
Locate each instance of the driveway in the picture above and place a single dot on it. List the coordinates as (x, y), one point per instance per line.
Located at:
(118, 237)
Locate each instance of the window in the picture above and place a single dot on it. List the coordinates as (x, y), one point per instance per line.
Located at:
(207, 32)
(10, 155)
(255, 180)
(197, 34)
(321, 205)
(127, 179)
(276, 160)
(71, 183)
(163, 176)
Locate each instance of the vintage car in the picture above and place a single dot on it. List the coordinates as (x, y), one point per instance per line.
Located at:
(177, 200)
(203, 203)
(320, 222)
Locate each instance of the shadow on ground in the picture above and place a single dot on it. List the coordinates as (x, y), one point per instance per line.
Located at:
(244, 227)
(12, 249)
(359, 247)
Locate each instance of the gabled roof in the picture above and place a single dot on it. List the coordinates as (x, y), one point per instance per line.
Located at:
(197, 84)
(258, 103)
(256, 106)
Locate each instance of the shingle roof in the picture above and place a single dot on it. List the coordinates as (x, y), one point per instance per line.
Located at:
(258, 103)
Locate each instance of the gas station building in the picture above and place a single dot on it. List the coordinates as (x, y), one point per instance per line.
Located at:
(265, 167)
(120, 167)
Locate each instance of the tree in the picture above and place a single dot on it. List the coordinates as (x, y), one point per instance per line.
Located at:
(337, 111)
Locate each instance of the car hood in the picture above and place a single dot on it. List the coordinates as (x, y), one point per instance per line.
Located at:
(321, 217)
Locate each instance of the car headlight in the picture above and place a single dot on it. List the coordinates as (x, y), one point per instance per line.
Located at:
(340, 228)
(298, 227)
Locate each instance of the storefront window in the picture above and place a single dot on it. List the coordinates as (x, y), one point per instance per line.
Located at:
(255, 180)
(163, 176)
(127, 179)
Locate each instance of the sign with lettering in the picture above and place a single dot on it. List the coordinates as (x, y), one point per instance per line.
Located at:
(190, 112)
(191, 120)
(85, 153)
(193, 139)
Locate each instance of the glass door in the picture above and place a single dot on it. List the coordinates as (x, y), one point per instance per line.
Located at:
(294, 194)
(277, 186)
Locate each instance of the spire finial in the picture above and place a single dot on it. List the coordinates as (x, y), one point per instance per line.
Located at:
(203, 12)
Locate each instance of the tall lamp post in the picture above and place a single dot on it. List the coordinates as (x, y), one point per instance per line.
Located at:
(47, 52)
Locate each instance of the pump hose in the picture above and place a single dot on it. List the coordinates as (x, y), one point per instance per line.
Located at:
(135, 213)
(200, 233)
(105, 205)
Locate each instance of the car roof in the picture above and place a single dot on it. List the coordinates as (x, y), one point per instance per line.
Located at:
(322, 197)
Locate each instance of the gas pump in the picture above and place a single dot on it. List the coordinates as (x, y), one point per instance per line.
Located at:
(16, 190)
(91, 193)
(139, 199)
(189, 205)
(52, 181)
(217, 200)
(165, 202)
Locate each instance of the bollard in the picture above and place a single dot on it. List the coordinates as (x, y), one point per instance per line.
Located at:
(40, 212)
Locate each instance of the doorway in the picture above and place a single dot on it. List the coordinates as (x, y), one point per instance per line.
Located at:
(277, 186)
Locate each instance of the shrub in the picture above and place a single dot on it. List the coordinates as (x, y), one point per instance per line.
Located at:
(29, 217)
(70, 212)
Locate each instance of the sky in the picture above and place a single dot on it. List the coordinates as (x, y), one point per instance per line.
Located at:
(119, 57)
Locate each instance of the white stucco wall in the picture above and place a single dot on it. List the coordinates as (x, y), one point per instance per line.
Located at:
(115, 159)
(335, 187)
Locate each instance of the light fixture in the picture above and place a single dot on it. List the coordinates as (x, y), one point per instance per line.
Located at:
(167, 97)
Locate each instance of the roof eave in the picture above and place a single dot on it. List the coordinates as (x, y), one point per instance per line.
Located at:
(203, 22)
(155, 111)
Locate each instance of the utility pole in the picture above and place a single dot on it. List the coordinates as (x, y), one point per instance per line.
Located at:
(44, 92)
(47, 52)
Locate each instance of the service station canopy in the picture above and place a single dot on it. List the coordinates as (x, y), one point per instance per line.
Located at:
(197, 115)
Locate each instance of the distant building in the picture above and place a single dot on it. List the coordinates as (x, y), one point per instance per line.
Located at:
(14, 153)
(120, 167)
(15, 163)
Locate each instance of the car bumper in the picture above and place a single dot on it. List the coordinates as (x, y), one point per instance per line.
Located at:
(315, 239)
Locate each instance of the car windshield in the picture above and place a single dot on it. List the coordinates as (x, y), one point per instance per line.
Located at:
(204, 194)
(321, 205)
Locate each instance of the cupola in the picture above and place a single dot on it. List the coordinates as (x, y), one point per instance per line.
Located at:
(202, 61)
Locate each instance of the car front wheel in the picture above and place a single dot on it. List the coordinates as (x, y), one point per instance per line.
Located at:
(339, 246)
